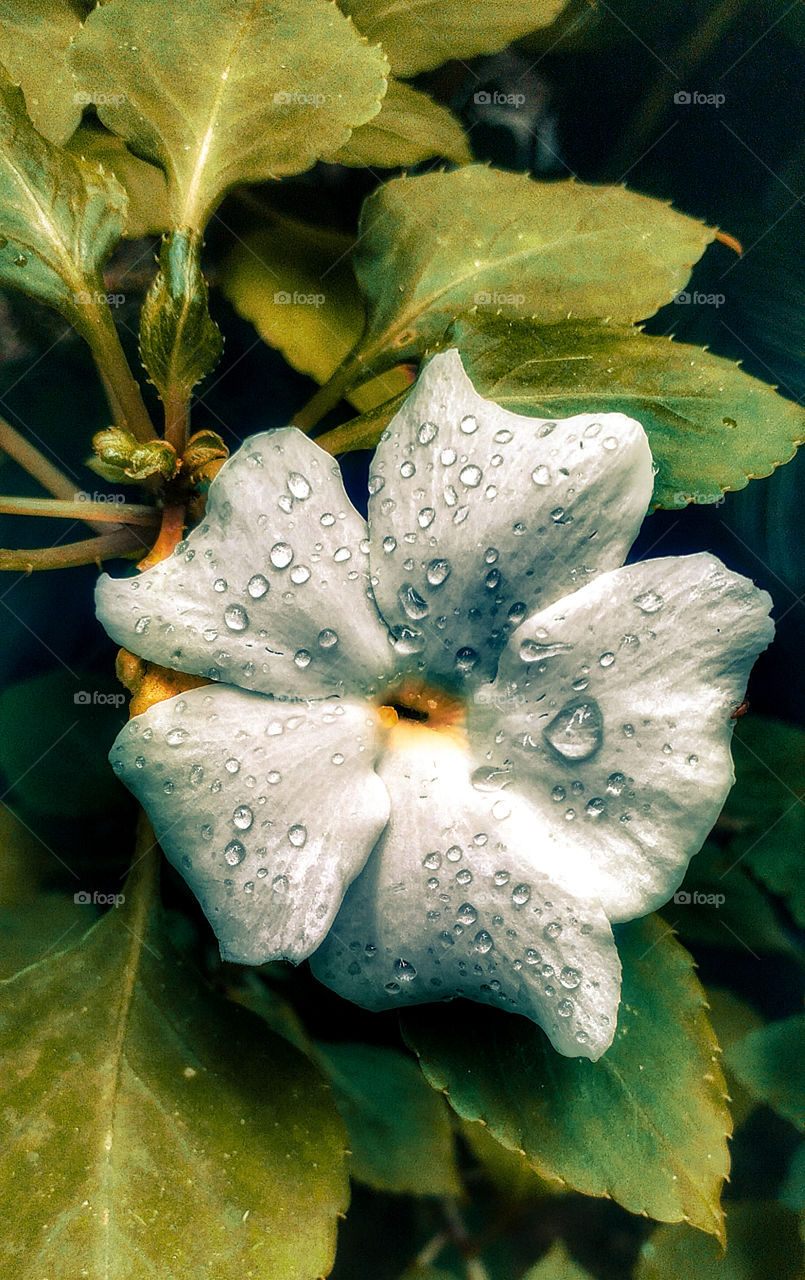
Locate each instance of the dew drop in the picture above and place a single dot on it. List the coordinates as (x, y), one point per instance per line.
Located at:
(569, 977)
(236, 617)
(453, 853)
(232, 765)
(302, 659)
(541, 475)
(328, 639)
(243, 817)
(521, 894)
(297, 835)
(298, 486)
(234, 853)
(466, 660)
(469, 424)
(404, 971)
(533, 651)
(483, 942)
(464, 876)
(427, 432)
(649, 602)
(432, 861)
(558, 794)
(438, 571)
(553, 929)
(412, 603)
(257, 586)
(595, 808)
(470, 476)
(516, 613)
(576, 731)
(564, 1008)
(338, 758)
(176, 736)
(606, 659)
(466, 914)
(141, 626)
(389, 544)
(281, 555)
(220, 584)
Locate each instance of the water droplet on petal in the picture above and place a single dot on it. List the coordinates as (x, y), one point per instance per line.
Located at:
(552, 930)
(483, 942)
(564, 1008)
(533, 651)
(281, 555)
(328, 639)
(299, 486)
(412, 603)
(236, 617)
(243, 817)
(404, 971)
(176, 736)
(426, 517)
(466, 914)
(220, 584)
(577, 730)
(569, 977)
(257, 586)
(427, 432)
(297, 835)
(470, 476)
(234, 853)
(541, 475)
(141, 626)
(649, 602)
(438, 571)
(302, 659)
(521, 894)
(469, 424)
(466, 660)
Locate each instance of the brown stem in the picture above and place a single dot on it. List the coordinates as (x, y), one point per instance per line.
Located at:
(123, 542)
(177, 423)
(131, 513)
(689, 55)
(170, 535)
(122, 389)
(27, 456)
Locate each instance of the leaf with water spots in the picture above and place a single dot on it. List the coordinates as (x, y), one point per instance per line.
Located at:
(438, 244)
(153, 1129)
(60, 217)
(645, 1125)
(34, 39)
(227, 91)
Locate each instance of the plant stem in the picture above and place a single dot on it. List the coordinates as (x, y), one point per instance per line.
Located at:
(329, 395)
(170, 535)
(35, 463)
(122, 389)
(131, 513)
(177, 422)
(123, 542)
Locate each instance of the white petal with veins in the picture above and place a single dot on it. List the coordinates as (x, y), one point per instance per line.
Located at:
(478, 516)
(268, 810)
(271, 591)
(611, 711)
(462, 896)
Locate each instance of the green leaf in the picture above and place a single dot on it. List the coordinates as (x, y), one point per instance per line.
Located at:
(60, 218)
(770, 1063)
(399, 1129)
(711, 426)
(30, 931)
(435, 31)
(733, 1019)
(144, 184)
(34, 39)
(726, 907)
(557, 1265)
(762, 1241)
(295, 283)
(646, 1124)
(55, 731)
(179, 341)
(222, 92)
(155, 1129)
(508, 1171)
(409, 128)
(766, 808)
(437, 244)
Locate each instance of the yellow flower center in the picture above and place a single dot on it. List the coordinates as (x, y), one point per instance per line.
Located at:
(412, 706)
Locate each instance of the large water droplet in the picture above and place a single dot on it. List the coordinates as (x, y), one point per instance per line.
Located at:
(438, 571)
(470, 476)
(533, 651)
(569, 977)
(483, 942)
(469, 424)
(541, 475)
(299, 486)
(297, 835)
(234, 853)
(412, 603)
(243, 817)
(257, 586)
(236, 617)
(328, 638)
(175, 737)
(281, 555)
(577, 730)
(404, 971)
(466, 914)
(427, 432)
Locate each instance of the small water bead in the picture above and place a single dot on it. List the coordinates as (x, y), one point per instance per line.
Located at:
(327, 519)
(432, 861)
(392, 988)
(210, 634)
(232, 765)
(570, 815)
(480, 839)
(532, 956)
(501, 810)
(302, 659)
(492, 580)
(220, 585)
(592, 430)
(196, 774)
(412, 603)
(299, 574)
(533, 651)
(341, 554)
(426, 517)
(338, 758)
(207, 832)
(141, 626)
(387, 506)
(280, 884)
(243, 817)
(466, 660)
(483, 942)
(438, 571)
(168, 788)
(298, 486)
(297, 835)
(407, 469)
(503, 437)
(649, 602)
(541, 476)
(545, 429)
(552, 930)
(501, 878)
(389, 544)
(376, 483)
(576, 731)
(234, 853)
(464, 876)
(273, 777)
(176, 736)
(516, 613)
(466, 914)
(521, 894)
(454, 853)
(460, 515)
(404, 970)
(427, 432)
(447, 457)
(328, 638)
(470, 476)
(611, 443)
(693, 760)
(595, 808)
(564, 1008)
(236, 617)
(248, 887)
(469, 424)
(569, 977)
(627, 730)
(490, 778)
(450, 495)
(285, 503)
(606, 659)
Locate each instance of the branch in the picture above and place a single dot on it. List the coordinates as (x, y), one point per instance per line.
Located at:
(27, 456)
(131, 513)
(123, 542)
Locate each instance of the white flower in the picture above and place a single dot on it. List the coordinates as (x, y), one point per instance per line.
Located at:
(465, 805)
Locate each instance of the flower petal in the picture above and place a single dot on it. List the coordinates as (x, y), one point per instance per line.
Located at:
(271, 591)
(478, 515)
(462, 897)
(268, 811)
(611, 713)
